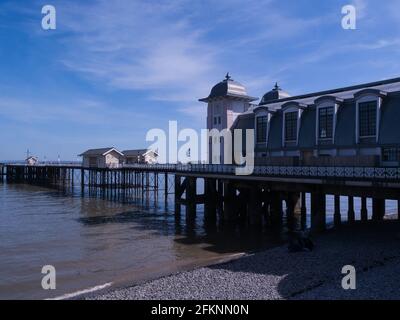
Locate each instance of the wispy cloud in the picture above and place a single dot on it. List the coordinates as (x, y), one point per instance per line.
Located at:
(361, 6)
(84, 112)
(197, 111)
(128, 65)
(162, 49)
(137, 45)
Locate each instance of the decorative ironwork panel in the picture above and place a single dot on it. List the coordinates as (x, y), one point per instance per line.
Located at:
(297, 171)
(263, 170)
(339, 172)
(391, 173)
(330, 172)
(313, 171)
(305, 171)
(359, 173)
(348, 172)
(380, 173)
(321, 171)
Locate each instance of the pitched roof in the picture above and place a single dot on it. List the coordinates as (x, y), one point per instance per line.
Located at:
(99, 152)
(389, 85)
(134, 153)
(137, 152)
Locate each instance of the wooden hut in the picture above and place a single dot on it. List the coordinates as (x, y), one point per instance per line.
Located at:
(144, 156)
(102, 158)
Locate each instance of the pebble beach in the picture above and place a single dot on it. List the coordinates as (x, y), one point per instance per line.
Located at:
(373, 249)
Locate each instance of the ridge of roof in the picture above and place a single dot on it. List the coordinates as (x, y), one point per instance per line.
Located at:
(337, 90)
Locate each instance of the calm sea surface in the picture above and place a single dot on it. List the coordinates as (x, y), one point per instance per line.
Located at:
(94, 240)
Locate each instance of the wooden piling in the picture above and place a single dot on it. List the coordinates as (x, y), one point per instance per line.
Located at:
(191, 193)
(351, 213)
(178, 194)
(276, 209)
(398, 210)
(292, 205)
(254, 206)
(318, 212)
(82, 179)
(303, 211)
(229, 201)
(337, 217)
(210, 206)
(364, 210)
(165, 186)
(378, 209)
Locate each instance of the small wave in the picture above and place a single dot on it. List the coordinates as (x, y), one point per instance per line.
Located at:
(80, 292)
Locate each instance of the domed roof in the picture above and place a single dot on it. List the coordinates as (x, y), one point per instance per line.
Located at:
(228, 88)
(275, 94)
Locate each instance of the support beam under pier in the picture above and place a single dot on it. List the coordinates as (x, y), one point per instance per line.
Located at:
(378, 209)
(337, 216)
(254, 206)
(364, 210)
(292, 208)
(303, 211)
(276, 209)
(351, 214)
(210, 204)
(191, 199)
(398, 210)
(318, 212)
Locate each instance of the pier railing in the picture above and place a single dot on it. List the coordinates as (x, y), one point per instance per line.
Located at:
(379, 173)
(343, 173)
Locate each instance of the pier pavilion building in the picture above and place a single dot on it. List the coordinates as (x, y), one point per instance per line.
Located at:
(349, 126)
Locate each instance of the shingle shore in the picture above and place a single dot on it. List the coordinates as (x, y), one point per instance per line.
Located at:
(374, 250)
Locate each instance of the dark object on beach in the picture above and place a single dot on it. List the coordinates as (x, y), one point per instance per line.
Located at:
(300, 242)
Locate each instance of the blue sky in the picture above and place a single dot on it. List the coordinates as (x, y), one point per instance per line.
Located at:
(112, 70)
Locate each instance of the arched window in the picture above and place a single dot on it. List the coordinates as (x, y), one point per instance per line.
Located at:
(368, 111)
(261, 125)
(291, 126)
(261, 129)
(291, 123)
(326, 113)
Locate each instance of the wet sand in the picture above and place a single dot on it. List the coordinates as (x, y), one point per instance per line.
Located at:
(373, 249)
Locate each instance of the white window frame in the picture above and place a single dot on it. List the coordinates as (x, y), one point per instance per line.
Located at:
(217, 115)
(290, 109)
(262, 113)
(368, 98)
(326, 104)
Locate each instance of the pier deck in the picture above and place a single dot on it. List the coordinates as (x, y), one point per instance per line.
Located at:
(256, 198)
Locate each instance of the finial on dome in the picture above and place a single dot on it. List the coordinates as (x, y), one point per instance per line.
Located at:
(228, 77)
(275, 94)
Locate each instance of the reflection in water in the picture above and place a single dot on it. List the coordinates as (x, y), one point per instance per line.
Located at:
(104, 236)
(107, 236)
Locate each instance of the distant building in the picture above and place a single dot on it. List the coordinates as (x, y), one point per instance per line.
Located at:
(349, 126)
(31, 160)
(102, 158)
(140, 156)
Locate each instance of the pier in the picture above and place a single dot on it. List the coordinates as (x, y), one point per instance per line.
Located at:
(256, 199)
